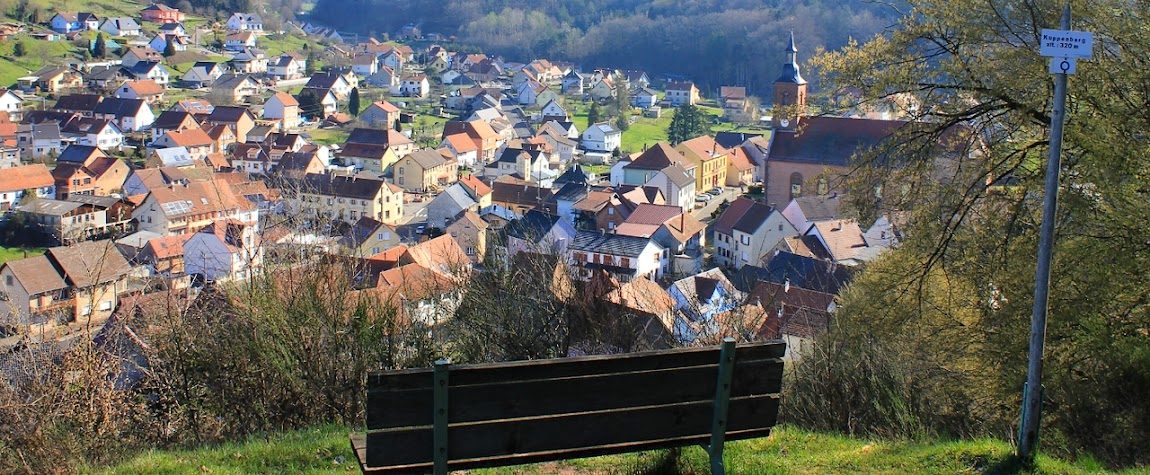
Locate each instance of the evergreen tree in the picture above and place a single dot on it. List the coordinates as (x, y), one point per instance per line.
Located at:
(309, 68)
(353, 102)
(623, 121)
(687, 123)
(100, 49)
(398, 127)
(593, 114)
(169, 48)
(309, 104)
(19, 50)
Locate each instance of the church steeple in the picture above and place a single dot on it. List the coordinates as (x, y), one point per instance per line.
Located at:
(790, 91)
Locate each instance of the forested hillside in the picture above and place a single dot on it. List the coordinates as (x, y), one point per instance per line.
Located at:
(714, 43)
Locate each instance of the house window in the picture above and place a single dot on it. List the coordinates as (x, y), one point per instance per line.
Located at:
(87, 310)
(610, 211)
(401, 178)
(353, 202)
(400, 170)
(374, 250)
(106, 305)
(626, 262)
(780, 227)
(380, 237)
(8, 279)
(746, 240)
(470, 251)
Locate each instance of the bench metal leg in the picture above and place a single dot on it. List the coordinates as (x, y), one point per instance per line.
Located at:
(439, 420)
(722, 403)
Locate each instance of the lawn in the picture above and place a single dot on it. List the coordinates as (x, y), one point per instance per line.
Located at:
(14, 253)
(37, 55)
(325, 450)
(328, 136)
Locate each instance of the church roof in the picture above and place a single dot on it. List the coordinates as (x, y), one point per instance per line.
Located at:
(791, 66)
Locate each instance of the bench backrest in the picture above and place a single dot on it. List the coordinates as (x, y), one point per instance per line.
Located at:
(532, 411)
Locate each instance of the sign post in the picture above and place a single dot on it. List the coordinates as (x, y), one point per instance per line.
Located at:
(1064, 47)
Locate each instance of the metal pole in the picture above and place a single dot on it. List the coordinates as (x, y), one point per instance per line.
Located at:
(1032, 403)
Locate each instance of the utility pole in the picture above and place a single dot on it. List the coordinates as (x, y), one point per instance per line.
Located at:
(1064, 47)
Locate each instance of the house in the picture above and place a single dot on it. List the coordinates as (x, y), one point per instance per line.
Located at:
(782, 267)
(539, 233)
(57, 79)
(335, 81)
(471, 232)
(559, 128)
(602, 89)
(161, 41)
(364, 64)
(145, 180)
(245, 22)
(68, 22)
(77, 284)
(706, 305)
(477, 189)
(194, 139)
(462, 148)
(239, 41)
(651, 310)
(173, 120)
(601, 137)
(528, 92)
(160, 13)
(673, 228)
(287, 66)
(368, 237)
(380, 113)
(120, 26)
(327, 197)
(840, 241)
(39, 140)
(740, 167)
(710, 160)
(236, 87)
(453, 200)
(85, 170)
(414, 86)
(386, 78)
(224, 251)
(624, 258)
(163, 254)
(425, 170)
(16, 182)
(202, 74)
(737, 107)
(188, 207)
(145, 89)
(284, 108)
(100, 133)
(804, 211)
(552, 111)
(64, 222)
(150, 70)
(642, 168)
(677, 185)
(249, 61)
(748, 230)
(128, 114)
(11, 103)
(194, 106)
(529, 164)
(326, 98)
(573, 83)
(238, 120)
(796, 315)
(682, 93)
(520, 196)
(173, 157)
(563, 148)
(136, 54)
(644, 98)
(105, 78)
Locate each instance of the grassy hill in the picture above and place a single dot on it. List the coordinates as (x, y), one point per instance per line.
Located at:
(325, 450)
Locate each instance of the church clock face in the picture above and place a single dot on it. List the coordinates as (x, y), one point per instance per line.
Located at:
(784, 122)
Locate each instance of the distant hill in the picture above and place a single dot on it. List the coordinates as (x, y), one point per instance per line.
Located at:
(734, 42)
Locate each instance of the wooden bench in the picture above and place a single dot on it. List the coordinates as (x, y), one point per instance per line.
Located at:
(488, 415)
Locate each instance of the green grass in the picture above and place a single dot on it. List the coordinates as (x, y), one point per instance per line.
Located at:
(328, 136)
(15, 253)
(325, 450)
(37, 55)
(274, 45)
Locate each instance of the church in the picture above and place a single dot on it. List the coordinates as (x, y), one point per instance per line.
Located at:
(811, 155)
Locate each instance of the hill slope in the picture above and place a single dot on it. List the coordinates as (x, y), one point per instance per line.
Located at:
(325, 450)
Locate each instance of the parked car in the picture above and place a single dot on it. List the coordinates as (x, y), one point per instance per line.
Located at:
(715, 191)
(702, 198)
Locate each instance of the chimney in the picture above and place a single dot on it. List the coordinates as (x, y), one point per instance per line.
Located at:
(787, 286)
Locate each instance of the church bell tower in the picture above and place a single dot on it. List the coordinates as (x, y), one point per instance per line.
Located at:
(790, 101)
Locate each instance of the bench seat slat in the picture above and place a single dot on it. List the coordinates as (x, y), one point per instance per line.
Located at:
(485, 373)
(571, 435)
(551, 396)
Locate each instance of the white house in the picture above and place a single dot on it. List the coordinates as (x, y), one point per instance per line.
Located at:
(463, 148)
(160, 43)
(625, 258)
(128, 114)
(239, 41)
(245, 22)
(364, 65)
(287, 66)
(601, 137)
(644, 98)
(224, 251)
(552, 109)
(414, 86)
(203, 73)
(539, 232)
(121, 26)
(150, 70)
(748, 230)
(99, 133)
(677, 185)
(10, 103)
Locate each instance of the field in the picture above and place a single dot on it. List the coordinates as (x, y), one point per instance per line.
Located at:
(325, 450)
(13, 253)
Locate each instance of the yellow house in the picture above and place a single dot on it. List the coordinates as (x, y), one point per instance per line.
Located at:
(368, 237)
(373, 158)
(710, 161)
(425, 170)
(329, 197)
